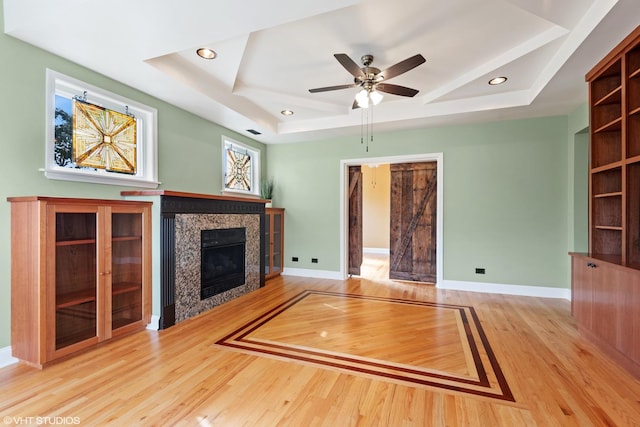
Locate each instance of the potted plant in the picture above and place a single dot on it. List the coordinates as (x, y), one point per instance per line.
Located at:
(266, 190)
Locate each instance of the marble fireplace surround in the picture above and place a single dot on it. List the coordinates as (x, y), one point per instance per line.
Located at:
(181, 218)
(188, 259)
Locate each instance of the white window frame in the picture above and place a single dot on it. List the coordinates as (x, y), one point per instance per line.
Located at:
(255, 167)
(147, 140)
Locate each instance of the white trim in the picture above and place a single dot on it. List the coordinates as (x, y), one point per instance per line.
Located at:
(344, 203)
(455, 285)
(498, 288)
(316, 274)
(5, 357)
(154, 324)
(147, 175)
(384, 251)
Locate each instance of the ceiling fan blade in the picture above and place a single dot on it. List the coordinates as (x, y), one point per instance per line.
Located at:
(328, 88)
(402, 67)
(349, 65)
(355, 105)
(396, 89)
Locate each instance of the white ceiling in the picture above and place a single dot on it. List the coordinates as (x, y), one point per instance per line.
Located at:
(271, 52)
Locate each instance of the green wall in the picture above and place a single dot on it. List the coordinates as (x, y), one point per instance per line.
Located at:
(578, 179)
(189, 157)
(505, 197)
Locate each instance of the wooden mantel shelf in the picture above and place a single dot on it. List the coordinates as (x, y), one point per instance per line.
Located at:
(190, 195)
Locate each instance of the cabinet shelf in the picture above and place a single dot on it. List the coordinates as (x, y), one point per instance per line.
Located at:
(75, 298)
(603, 195)
(607, 167)
(634, 111)
(613, 125)
(608, 227)
(613, 97)
(634, 74)
(124, 287)
(126, 238)
(76, 242)
(632, 160)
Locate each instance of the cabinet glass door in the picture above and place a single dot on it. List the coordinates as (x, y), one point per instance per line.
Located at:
(76, 281)
(277, 243)
(267, 239)
(126, 269)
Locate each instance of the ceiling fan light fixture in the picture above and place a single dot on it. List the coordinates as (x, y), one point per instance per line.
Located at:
(206, 53)
(375, 97)
(497, 81)
(367, 95)
(362, 99)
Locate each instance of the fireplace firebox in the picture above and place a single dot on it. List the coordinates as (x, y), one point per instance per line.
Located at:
(223, 260)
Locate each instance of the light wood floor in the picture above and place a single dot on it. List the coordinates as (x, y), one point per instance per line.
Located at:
(191, 374)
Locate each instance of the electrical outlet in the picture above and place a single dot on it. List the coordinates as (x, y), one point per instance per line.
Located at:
(479, 270)
(314, 260)
(294, 259)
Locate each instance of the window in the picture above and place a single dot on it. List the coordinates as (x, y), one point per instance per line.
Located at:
(96, 136)
(240, 168)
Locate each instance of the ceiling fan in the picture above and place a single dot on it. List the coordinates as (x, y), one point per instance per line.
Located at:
(372, 80)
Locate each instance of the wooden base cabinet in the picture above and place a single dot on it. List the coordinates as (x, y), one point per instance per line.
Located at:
(606, 306)
(80, 274)
(274, 235)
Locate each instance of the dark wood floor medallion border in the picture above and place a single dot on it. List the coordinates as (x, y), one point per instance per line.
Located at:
(434, 345)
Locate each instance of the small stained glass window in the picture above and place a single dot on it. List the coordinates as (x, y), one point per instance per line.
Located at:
(240, 167)
(238, 170)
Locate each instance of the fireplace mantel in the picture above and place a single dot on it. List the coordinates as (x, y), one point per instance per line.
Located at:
(192, 195)
(183, 212)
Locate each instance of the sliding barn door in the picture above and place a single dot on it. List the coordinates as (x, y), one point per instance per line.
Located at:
(413, 222)
(355, 219)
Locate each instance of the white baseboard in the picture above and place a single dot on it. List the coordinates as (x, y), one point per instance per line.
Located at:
(316, 274)
(384, 251)
(5, 357)
(497, 288)
(154, 325)
(457, 285)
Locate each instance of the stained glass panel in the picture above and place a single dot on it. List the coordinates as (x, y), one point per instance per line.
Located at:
(103, 138)
(238, 170)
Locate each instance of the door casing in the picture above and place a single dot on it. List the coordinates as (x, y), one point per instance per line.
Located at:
(344, 203)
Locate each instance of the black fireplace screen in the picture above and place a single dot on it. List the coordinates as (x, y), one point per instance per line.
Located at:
(223, 260)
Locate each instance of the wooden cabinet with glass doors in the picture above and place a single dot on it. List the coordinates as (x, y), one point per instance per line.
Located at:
(274, 238)
(80, 274)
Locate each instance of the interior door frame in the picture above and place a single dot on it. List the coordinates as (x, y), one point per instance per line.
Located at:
(344, 203)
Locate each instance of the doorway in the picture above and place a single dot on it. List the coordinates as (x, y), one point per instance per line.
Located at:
(376, 213)
(392, 160)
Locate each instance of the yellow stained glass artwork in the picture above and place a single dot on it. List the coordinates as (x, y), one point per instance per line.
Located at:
(103, 138)
(238, 170)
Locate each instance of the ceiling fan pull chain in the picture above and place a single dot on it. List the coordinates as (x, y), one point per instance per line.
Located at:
(371, 127)
(361, 126)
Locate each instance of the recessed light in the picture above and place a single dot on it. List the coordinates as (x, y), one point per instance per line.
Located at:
(206, 53)
(286, 112)
(497, 81)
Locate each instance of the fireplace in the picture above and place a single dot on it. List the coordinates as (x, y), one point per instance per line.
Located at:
(222, 265)
(183, 217)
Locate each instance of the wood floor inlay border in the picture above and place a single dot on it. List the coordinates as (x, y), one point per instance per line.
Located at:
(466, 363)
